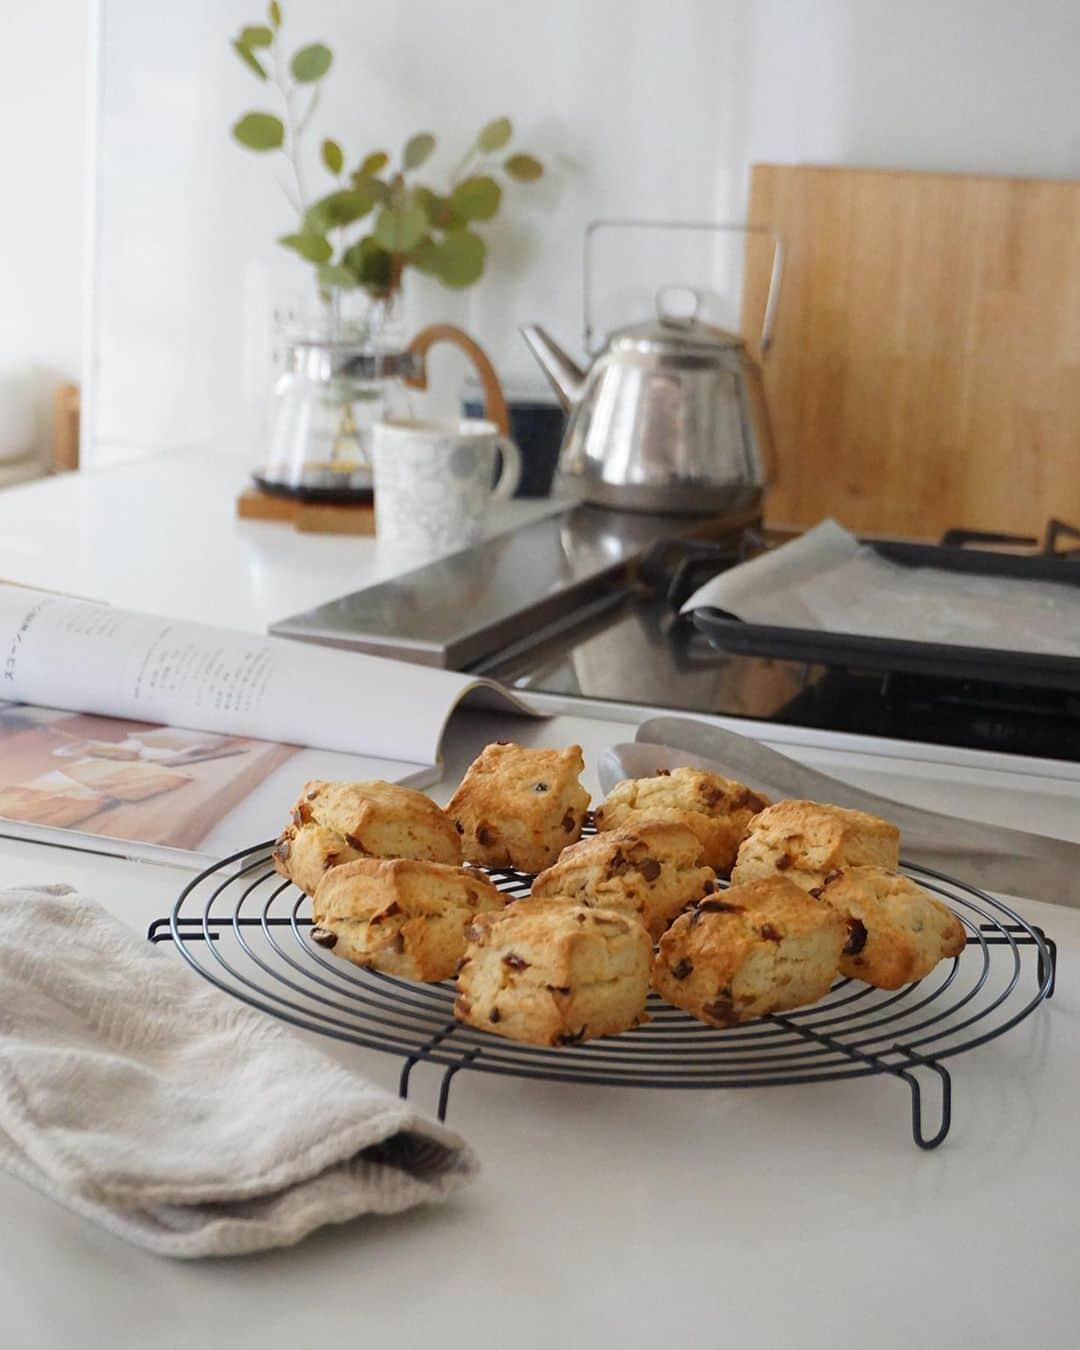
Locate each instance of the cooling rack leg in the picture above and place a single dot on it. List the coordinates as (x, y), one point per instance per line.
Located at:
(444, 1092)
(921, 1138)
(191, 930)
(878, 1062)
(403, 1081)
(422, 1053)
(444, 1088)
(1051, 947)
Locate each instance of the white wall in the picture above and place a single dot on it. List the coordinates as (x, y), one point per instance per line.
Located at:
(187, 219)
(640, 107)
(969, 86)
(43, 58)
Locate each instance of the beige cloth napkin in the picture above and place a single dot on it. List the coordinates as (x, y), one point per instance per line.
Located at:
(176, 1116)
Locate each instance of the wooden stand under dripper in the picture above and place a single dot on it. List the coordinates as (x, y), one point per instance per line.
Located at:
(307, 517)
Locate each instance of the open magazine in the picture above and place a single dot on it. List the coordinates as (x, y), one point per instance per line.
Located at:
(180, 742)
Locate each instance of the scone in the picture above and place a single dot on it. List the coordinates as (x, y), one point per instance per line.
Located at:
(750, 950)
(649, 870)
(808, 840)
(400, 915)
(897, 932)
(518, 807)
(334, 823)
(717, 809)
(551, 973)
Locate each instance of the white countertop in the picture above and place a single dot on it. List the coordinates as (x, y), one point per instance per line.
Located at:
(766, 1218)
(160, 534)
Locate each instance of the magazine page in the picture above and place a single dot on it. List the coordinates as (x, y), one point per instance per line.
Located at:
(64, 653)
(156, 792)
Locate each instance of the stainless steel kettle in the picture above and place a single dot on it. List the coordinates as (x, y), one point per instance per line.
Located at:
(670, 416)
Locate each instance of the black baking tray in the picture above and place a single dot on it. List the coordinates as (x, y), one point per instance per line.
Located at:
(1030, 669)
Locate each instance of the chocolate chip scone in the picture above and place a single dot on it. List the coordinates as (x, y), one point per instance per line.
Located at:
(518, 807)
(334, 823)
(551, 973)
(717, 809)
(400, 915)
(759, 948)
(897, 932)
(807, 840)
(650, 870)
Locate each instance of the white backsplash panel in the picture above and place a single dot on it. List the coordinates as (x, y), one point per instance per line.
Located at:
(637, 108)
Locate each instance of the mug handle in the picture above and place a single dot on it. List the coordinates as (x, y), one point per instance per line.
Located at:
(495, 409)
(509, 473)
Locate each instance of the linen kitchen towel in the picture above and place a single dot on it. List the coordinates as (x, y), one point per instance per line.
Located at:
(172, 1114)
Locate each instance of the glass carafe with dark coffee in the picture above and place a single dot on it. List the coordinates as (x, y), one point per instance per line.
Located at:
(340, 379)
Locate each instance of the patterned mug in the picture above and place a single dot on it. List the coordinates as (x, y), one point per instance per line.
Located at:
(433, 480)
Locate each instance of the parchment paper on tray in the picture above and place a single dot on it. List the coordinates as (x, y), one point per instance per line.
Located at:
(827, 580)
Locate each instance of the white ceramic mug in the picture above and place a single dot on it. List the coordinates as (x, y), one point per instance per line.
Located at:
(433, 480)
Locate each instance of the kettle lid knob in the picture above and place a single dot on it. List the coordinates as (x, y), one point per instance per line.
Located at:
(677, 304)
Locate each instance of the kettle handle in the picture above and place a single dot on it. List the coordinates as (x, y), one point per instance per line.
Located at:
(494, 399)
(768, 321)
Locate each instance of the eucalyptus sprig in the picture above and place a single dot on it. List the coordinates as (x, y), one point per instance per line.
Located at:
(405, 222)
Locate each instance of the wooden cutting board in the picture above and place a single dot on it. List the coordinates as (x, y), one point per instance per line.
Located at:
(925, 371)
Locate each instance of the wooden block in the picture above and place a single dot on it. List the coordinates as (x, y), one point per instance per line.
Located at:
(255, 505)
(65, 446)
(926, 359)
(307, 517)
(312, 518)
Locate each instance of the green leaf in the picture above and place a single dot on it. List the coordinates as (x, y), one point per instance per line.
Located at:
(332, 276)
(458, 260)
(311, 63)
(439, 210)
(257, 36)
(378, 159)
(249, 59)
(332, 156)
(418, 149)
(339, 208)
(260, 131)
(275, 13)
(400, 229)
(370, 264)
(365, 183)
(495, 135)
(525, 168)
(422, 257)
(476, 198)
(309, 244)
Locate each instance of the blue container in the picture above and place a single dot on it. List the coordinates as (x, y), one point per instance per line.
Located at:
(537, 424)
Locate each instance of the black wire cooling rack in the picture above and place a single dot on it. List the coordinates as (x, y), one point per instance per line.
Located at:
(246, 930)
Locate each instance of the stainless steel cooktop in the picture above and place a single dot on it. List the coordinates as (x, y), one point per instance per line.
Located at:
(518, 586)
(585, 606)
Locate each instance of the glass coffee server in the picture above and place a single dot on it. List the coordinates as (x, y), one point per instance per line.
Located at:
(340, 378)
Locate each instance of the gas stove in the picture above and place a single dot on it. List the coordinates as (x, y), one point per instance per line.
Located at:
(585, 606)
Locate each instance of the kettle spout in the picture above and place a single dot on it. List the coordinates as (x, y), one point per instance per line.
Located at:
(567, 379)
